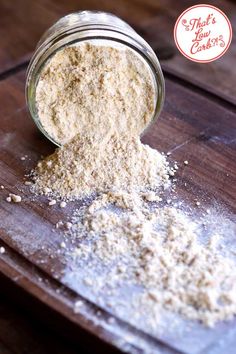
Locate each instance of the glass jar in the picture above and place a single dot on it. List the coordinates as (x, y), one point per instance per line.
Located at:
(84, 26)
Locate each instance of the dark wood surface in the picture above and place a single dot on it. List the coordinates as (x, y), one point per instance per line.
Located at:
(217, 76)
(197, 124)
(22, 333)
(24, 21)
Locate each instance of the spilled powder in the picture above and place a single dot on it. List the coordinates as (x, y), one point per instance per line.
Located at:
(90, 164)
(95, 101)
(160, 249)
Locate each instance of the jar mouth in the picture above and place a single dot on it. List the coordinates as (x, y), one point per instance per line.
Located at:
(47, 50)
(86, 20)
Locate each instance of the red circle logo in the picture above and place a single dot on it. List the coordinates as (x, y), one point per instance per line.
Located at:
(203, 33)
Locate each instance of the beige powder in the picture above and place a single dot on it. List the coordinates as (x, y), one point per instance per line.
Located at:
(95, 85)
(91, 164)
(95, 100)
(159, 249)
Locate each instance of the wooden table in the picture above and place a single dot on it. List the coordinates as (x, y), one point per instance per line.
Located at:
(197, 124)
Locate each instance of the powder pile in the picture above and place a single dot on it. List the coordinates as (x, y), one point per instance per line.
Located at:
(160, 249)
(95, 101)
(90, 164)
(95, 85)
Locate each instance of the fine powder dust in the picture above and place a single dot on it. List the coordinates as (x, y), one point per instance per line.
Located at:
(160, 249)
(95, 101)
(99, 86)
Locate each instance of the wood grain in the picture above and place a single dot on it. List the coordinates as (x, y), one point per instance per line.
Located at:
(22, 333)
(24, 21)
(217, 76)
(205, 137)
(154, 19)
(197, 124)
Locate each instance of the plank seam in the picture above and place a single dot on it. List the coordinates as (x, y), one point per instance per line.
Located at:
(223, 101)
(14, 70)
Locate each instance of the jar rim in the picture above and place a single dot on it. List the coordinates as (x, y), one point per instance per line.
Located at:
(47, 49)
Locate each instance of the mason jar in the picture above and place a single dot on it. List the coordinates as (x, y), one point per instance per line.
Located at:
(84, 26)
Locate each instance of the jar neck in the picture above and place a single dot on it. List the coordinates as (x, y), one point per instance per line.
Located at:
(84, 20)
(94, 26)
(86, 25)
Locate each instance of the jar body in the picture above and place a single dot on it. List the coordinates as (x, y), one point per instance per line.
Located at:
(86, 26)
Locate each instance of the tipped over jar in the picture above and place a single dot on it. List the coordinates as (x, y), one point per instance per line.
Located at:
(92, 69)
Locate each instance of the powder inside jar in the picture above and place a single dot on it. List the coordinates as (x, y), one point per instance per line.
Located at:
(93, 84)
(96, 100)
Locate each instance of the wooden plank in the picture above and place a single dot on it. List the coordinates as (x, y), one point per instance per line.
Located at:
(53, 305)
(153, 19)
(21, 25)
(24, 21)
(20, 333)
(192, 126)
(217, 76)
